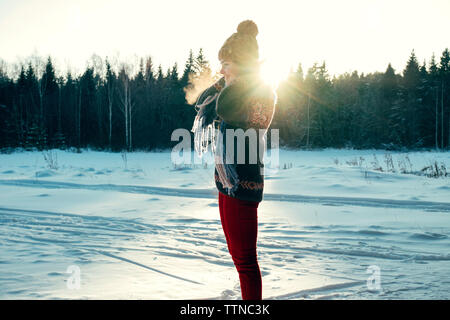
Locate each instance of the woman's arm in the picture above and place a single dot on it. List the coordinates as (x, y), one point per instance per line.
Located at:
(247, 107)
(230, 104)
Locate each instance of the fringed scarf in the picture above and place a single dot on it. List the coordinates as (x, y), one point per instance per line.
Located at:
(206, 134)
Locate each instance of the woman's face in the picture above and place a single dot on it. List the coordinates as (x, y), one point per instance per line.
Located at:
(229, 71)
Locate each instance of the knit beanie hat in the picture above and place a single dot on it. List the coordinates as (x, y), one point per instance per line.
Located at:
(242, 48)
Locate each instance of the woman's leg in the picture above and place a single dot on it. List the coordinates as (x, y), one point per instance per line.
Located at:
(240, 223)
(222, 206)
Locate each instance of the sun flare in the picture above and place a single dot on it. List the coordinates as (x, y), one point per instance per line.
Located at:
(273, 73)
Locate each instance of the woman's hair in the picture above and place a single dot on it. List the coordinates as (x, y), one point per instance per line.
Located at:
(242, 48)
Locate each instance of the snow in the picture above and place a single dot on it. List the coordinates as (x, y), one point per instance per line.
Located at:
(146, 229)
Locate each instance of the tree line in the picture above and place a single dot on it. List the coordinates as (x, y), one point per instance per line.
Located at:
(106, 107)
(117, 106)
(387, 110)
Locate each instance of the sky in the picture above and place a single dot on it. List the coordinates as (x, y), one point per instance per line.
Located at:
(362, 35)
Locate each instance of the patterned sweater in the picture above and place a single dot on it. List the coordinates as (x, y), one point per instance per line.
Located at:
(244, 104)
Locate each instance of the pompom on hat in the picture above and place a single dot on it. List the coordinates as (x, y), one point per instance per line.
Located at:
(248, 27)
(241, 47)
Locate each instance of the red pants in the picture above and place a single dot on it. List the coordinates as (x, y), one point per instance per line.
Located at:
(240, 224)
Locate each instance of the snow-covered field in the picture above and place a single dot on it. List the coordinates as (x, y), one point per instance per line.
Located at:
(145, 229)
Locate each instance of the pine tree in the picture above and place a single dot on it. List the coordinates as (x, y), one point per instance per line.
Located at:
(32, 92)
(69, 110)
(139, 110)
(188, 70)
(201, 65)
(326, 108)
(49, 92)
(444, 72)
(424, 116)
(160, 76)
(411, 102)
(389, 90)
(148, 119)
(433, 83)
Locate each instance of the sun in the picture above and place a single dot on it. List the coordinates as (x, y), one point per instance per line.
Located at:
(273, 73)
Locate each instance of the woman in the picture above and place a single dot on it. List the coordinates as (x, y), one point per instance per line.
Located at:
(239, 100)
